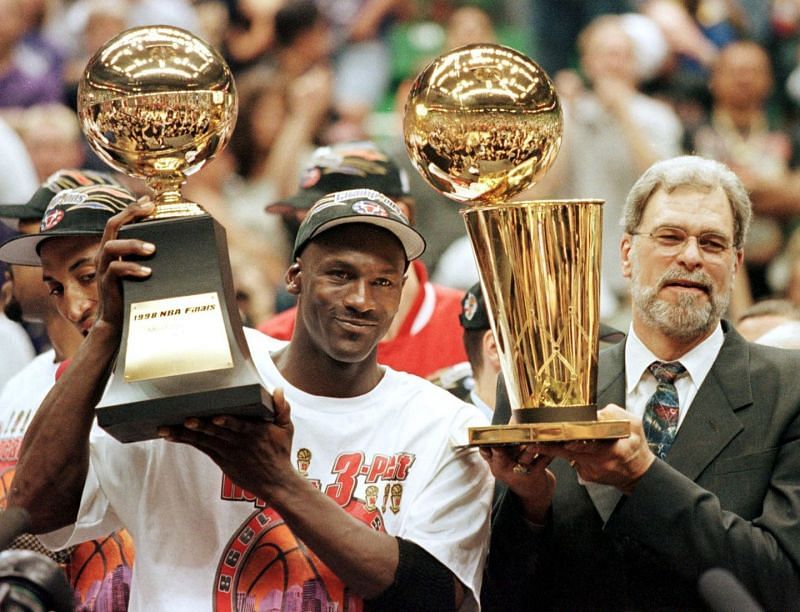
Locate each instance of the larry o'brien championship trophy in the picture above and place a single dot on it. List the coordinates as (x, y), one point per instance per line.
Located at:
(157, 103)
(482, 123)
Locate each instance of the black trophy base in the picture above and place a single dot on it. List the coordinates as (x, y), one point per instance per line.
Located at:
(183, 351)
(136, 421)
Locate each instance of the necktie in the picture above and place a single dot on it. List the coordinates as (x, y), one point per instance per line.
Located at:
(661, 413)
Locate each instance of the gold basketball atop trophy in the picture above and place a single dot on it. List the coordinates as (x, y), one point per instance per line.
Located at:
(158, 103)
(482, 124)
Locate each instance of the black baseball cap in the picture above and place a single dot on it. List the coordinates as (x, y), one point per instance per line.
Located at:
(82, 211)
(359, 206)
(473, 309)
(34, 208)
(343, 166)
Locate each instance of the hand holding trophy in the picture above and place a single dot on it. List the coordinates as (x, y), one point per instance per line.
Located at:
(483, 123)
(157, 103)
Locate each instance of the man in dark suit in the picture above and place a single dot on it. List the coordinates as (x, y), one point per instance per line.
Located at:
(710, 475)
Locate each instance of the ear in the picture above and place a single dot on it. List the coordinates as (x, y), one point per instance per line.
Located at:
(739, 261)
(625, 248)
(490, 354)
(293, 276)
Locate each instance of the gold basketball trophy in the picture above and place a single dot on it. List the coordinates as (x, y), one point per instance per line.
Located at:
(482, 123)
(157, 103)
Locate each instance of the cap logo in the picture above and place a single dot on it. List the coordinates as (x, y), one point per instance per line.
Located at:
(50, 219)
(310, 177)
(365, 207)
(373, 195)
(470, 306)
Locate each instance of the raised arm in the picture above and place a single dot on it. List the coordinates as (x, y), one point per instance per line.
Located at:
(54, 457)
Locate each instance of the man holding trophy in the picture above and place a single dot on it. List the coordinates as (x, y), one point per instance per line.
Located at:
(708, 477)
(692, 461)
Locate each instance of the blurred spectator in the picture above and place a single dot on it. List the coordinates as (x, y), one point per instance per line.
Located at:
(786, 335)
(53, 138)
(765, 315)
(258, 259)
(766, 157)
(361, 57)
(27, 75)
(18, 177)
(95, 22)
(555, 25)
(251, 31)
(302, 38)
(469, 25)
(278, 118)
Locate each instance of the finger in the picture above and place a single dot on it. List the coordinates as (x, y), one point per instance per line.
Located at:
(137, 210)
(123, 269)
(283, 413)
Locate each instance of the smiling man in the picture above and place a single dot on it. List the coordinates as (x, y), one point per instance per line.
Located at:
(360, 498)
(708, 477)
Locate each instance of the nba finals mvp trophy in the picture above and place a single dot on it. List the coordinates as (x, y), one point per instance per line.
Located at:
(482, 123)
(157, 103)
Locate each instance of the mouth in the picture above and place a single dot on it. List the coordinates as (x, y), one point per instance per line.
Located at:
(85, 326)
(355, 325)
(686, 285)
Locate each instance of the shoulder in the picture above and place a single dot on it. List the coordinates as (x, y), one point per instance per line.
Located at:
(434, 405)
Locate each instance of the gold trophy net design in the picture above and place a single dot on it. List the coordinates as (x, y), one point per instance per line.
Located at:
(482, 123)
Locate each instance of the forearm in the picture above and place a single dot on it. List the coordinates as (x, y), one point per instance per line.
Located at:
(364, 559)
(695, 533)
(54, 457)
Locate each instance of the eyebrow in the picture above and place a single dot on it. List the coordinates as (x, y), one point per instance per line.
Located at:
(78, 263)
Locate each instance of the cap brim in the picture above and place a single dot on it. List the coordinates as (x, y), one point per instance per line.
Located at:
(412, 241)
(302, 200)
(23, 250)
(11, 213)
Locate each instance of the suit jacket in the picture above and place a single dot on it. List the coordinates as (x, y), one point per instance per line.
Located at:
(727, 496)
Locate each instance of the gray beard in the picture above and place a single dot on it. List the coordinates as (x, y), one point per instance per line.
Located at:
(691, 317)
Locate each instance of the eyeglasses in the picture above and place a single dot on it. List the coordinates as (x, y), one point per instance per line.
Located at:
(672, 240)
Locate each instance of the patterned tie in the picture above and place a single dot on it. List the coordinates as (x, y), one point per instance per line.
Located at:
(661, 413)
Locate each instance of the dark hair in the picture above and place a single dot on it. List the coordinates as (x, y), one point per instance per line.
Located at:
(473, 345)
(294, 18)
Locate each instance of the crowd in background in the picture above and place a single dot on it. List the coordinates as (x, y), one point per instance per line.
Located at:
(638, 80)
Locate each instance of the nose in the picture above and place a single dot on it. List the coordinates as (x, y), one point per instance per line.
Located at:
(691, 255)
(78, 304)
(359, 297)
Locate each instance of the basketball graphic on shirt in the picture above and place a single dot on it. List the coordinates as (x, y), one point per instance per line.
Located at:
(265, 567)
(100, 572)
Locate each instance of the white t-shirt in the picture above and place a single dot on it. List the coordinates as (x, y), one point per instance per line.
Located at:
(19, 400)
(202, 543)
(17, 349)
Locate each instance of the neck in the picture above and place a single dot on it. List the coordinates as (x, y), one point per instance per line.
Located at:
(63, 336)
(309, 369)
(410, 291)
(486, 386)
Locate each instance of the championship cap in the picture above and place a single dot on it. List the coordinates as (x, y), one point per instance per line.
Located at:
(473, 309)
(82, 211)
(34, 208)
(359, 206)
(342, 166)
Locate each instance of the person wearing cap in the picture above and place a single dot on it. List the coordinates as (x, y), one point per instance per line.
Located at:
(425, 335)
(58, 204)
(234, 513)
(476, 380)
(708, 477)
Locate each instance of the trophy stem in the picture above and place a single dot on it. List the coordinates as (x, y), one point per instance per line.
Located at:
(169, 201)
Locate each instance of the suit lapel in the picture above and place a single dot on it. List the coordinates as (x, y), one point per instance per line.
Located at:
(711, 422)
